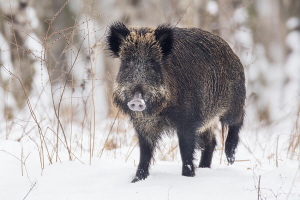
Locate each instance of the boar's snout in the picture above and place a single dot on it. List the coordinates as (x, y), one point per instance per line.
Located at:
(137, 103)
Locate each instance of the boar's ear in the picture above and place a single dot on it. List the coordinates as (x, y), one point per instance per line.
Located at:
(116, 34)
(164, 36)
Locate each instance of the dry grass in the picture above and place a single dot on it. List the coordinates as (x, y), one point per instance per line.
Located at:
(294, 145)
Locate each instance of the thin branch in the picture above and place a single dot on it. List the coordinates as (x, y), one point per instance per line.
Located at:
(29, 190)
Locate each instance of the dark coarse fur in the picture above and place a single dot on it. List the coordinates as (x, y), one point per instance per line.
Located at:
(189, 79)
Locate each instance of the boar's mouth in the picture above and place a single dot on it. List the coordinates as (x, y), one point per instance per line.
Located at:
(147, 100)
(137, 103)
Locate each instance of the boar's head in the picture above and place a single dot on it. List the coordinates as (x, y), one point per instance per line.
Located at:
(143, 52)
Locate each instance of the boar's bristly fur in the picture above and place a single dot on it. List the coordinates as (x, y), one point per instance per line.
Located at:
(185, 80)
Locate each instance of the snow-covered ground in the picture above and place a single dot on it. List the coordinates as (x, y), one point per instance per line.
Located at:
(109, 179)
(263, 170)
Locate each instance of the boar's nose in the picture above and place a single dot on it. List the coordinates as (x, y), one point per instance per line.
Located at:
(137, 103)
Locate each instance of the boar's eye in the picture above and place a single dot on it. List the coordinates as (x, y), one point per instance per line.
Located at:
(154, 66)
(125, 64)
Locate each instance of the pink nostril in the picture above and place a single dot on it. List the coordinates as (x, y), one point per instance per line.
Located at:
(137, 105)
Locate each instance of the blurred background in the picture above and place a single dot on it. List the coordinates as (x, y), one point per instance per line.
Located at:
(56, 79)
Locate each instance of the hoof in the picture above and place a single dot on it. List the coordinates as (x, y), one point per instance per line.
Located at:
(231, 159)
(230, 155)
(188, 170)
(140, 175)
(136, 179)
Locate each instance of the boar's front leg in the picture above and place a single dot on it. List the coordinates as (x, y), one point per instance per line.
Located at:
(147, 146)
(186, 137)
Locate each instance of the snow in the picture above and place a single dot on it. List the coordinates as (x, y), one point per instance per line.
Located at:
(240, 15)
(293, 23)
(105, 183)
(212, 7)
(109, 176)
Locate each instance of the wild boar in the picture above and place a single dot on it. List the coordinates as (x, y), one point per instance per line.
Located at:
(182, 80)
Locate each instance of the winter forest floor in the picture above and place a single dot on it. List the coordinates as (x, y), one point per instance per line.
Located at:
(263, 170)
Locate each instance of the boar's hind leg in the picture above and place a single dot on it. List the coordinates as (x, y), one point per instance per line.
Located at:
(146, 154)
(187, 136)
(232, 142)
(207, 142)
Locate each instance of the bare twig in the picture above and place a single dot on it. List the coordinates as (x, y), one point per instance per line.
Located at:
(29, 190)
(183, 13)
(258, 188)
(128, 154)
(42, 139)
(223, 142)
(110, 130)
(277, 151)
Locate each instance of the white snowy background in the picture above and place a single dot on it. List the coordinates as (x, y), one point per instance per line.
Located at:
(67, 142)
